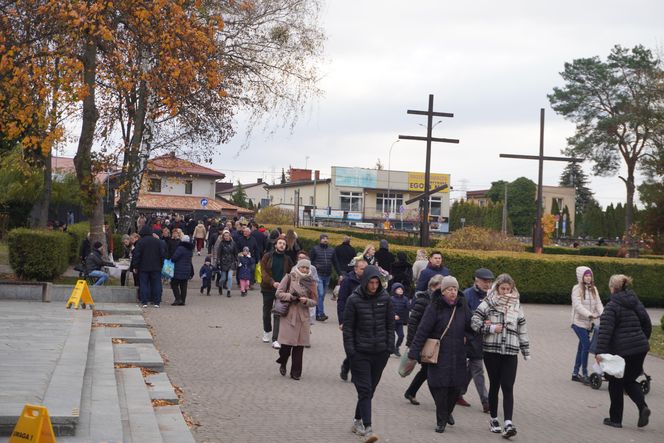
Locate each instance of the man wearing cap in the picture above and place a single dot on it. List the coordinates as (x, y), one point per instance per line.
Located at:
(474, 296)
(322, 257)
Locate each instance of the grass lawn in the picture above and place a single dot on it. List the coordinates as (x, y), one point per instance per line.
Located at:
(4, 253)
(657, 340)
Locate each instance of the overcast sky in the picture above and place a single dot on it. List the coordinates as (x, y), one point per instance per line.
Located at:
(491, 63)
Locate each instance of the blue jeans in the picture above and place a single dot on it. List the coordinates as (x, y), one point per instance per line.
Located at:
(102, 277)
(582, 350)
(150, 287)
(323, 284)
(226, 276)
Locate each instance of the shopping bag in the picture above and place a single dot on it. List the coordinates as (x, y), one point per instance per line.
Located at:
(406, 365)
(168, 269)
(258, 275)
(612, 365)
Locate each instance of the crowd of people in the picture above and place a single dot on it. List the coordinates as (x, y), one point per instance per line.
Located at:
(453, 334)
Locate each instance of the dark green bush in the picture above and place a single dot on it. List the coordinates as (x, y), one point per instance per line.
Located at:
(38, 254)
(117, 246)
(661, 321)
(77, 232)
(599, 251)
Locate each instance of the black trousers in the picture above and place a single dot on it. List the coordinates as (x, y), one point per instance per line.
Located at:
(206, 284)
(179, 288)
(268, 317)
(367, 370)
(502, 374)
(418, 381)
(628, 384)
(296, 351)
(398, 330)
(445, 399)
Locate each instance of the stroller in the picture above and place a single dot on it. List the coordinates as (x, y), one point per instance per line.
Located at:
(596, 378)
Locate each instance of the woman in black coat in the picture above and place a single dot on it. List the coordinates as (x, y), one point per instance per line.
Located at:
(624, 330)
(447, 314)
(183, 270)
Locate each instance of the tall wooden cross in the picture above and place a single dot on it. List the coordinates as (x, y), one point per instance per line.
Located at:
(424, 225)
(538, 238)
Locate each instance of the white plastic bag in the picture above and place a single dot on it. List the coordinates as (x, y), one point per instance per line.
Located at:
(612, 365)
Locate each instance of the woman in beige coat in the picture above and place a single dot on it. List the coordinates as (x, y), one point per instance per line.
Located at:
(586, 310)
(199, 234)
(299, 289)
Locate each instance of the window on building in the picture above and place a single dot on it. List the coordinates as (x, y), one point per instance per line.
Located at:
(388, 203)
(154, 185)
(351, 201)
(188, 186)
(311, 199)
(435, 205)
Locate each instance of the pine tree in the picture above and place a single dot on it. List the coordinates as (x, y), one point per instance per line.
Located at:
(568, 227)
(573, 176)
(239, 197)
(283, 176)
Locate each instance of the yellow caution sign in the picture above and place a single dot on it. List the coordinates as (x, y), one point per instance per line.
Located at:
(81, 293)
(34, 425)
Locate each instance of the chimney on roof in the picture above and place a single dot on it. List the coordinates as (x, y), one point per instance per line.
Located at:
(317, 175)
(260, 180)
(172, 154)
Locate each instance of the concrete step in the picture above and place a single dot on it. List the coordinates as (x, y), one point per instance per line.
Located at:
(160, 388)
(144, 355)
(138, 416)
(118, 308)
(63, 395)
(172, 426)
(127, 335)
(128, 321)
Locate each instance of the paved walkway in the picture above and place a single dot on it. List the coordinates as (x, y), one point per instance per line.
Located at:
(233, 389)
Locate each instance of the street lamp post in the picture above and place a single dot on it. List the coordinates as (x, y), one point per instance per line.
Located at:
(389, 171)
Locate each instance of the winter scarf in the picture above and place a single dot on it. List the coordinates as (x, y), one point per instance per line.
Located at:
(508, 304)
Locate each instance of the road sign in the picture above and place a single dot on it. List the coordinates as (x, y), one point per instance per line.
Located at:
(204, 202)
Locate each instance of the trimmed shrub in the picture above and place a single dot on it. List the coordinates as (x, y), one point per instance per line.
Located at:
(275, 215)
(540, 278)
(661, 321)
(77, 232)
(480, 239)
(393, 237)
(38, 254)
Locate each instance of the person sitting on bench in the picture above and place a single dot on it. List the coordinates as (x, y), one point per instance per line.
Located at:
(94, 263)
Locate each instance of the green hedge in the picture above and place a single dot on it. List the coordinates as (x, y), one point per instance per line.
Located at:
(38, 254)
(77, 232)
(593, 251)
(540, 278)
(369, 235)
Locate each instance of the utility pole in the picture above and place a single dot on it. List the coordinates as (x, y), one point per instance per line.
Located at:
(538, 238)
(504, 228)
(424, 226)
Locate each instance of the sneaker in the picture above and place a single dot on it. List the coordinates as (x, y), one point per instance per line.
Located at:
(462, 402)
(608, 422)
(510, 431)
(371, 437)
(266, 337)
(276, 345)
(145, 306)
(397, 353)
(156, 306)
(575, 377)
(585, 380)
(358, 427)
(494, 426)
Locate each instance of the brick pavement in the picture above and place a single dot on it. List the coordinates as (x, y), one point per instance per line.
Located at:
(233, 389)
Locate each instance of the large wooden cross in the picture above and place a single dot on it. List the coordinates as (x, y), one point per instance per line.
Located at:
(538, 238)
(424, 225)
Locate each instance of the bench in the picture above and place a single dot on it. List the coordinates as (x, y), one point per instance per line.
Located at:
(45, 287)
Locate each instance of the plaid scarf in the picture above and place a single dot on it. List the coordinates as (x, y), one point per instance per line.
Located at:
(508, 304)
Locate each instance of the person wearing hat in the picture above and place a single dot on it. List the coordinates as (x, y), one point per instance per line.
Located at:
(297, 288)
(322, 257)
(586, 309)
(245, 264)
(448, 316)
(500, 320)
(206, 274)
(474, 296)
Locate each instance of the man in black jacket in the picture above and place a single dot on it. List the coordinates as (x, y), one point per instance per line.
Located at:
(343, 255)
(350, 282)
(422, 300)
(94, 262)
(148, 258)
(322, 257)
(368, 332)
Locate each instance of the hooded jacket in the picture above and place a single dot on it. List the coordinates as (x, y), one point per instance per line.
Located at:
(149, 252)
(368, 319)
(400, 303)
(625, 327)
(585, 301)
(422, 300)
(183, 269)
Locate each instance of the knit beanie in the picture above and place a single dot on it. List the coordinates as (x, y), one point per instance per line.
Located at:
(447, 282)
(303, 262)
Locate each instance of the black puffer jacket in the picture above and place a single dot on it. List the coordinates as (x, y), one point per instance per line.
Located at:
(368, 320)
(322, 257)
(422, 300)
(624, 327)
